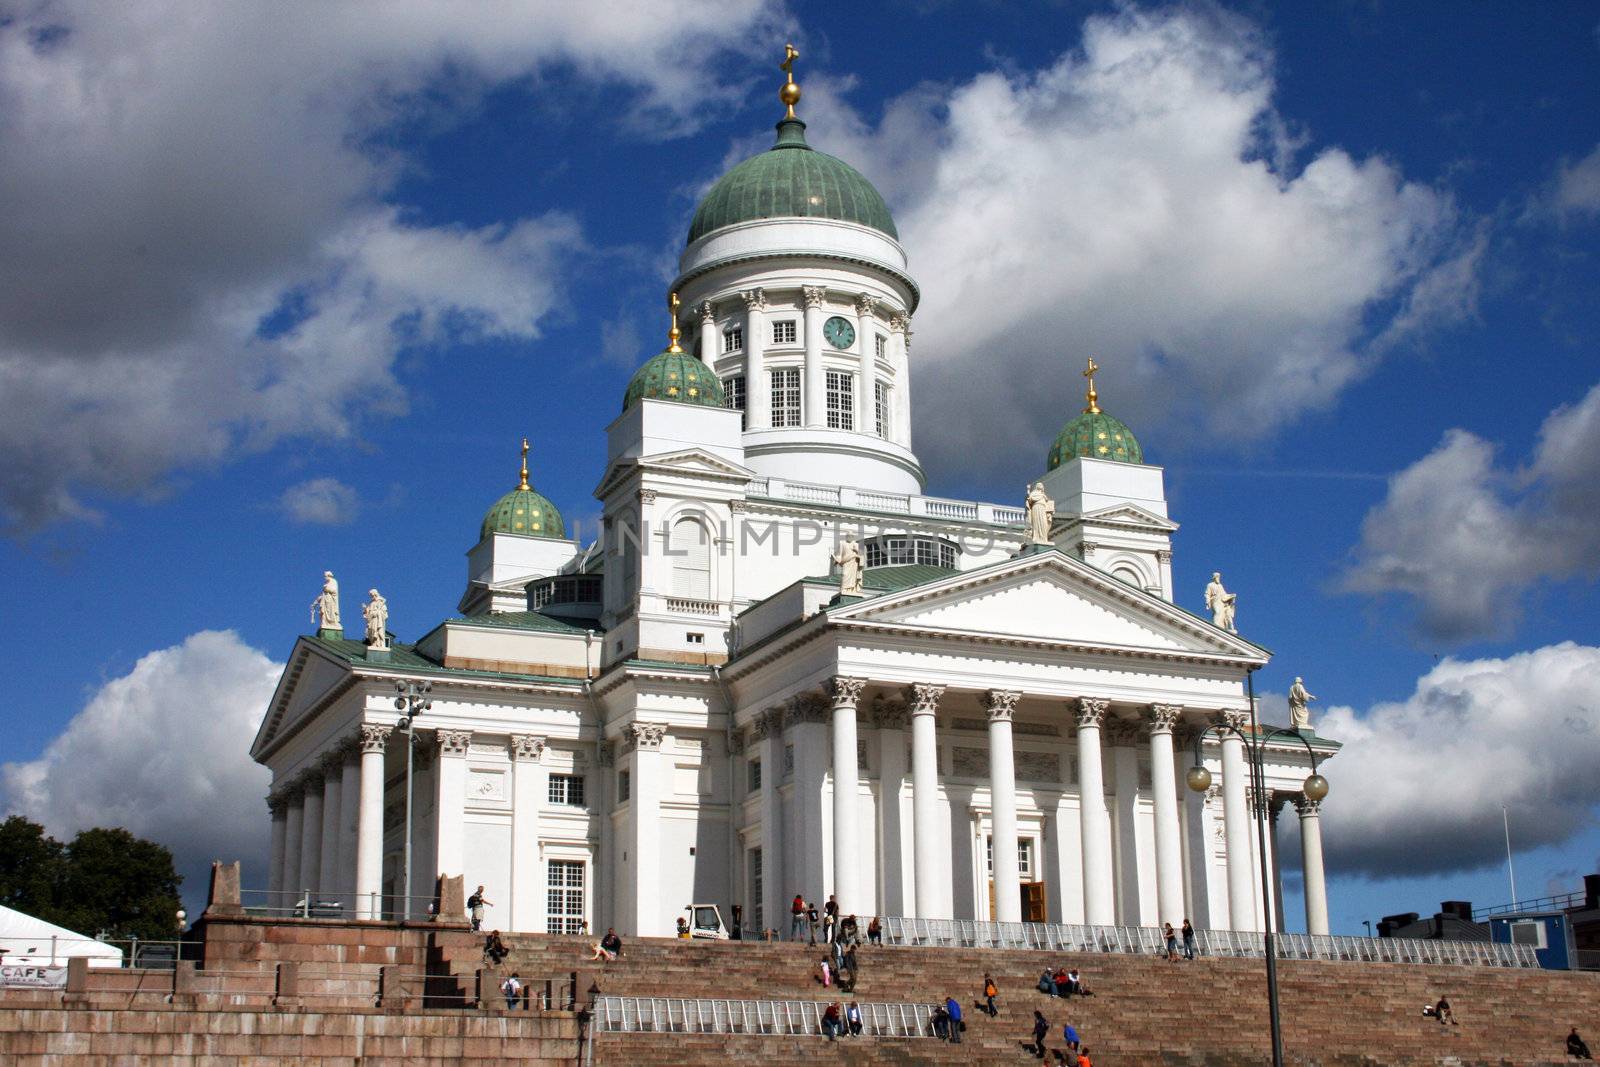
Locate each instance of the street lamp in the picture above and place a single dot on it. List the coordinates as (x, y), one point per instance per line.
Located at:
(411, 698)
(1315, 787)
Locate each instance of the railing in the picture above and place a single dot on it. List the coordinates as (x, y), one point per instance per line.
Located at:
(1135, 940)
(816, 494)
(952, 509)
(335, 904)
(136, 952)
(1561, 902)
(1010, 516)
(692, 607)
(876, 501)
(792, 1018)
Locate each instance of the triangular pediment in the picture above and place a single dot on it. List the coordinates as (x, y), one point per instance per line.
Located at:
(689, 461)
(1125, 515)
(307, 679)
(1049, 597)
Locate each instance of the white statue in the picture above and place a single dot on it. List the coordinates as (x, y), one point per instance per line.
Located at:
(327, 605)
(1041, 514)
(376, 612)
(1221, 603)
(1299, 714)
(851, 563)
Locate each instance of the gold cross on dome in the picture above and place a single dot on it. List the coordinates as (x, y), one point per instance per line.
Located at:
(523, 484)
(1091, 397)
(790, 54)
(674, 333)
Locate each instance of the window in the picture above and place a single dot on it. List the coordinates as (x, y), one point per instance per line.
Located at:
(903, 551)
(564, 898)
(733, 395)
(1529, 933)
(1024, 857)
(733, 339)
(786, 397)
(568, 589)
(882, 344)
(783, 332)
(755, 775)
(689, 547)
(880, 405)
(788, 760)
(841, 400)
(758, 912)
(694, 638)
(624, 786)
(566, 789)
(1129, 575)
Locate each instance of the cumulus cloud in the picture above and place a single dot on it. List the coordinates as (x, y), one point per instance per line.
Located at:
(1578, 186)
(1141, 200)
(197, 251)
(162, 751)
(1463, 537)
(1420, 782)
(320, 502)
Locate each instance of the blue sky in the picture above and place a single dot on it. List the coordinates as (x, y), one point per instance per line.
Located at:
(284, 296)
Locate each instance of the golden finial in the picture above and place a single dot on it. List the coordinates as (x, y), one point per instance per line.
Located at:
(790, 93)
(1091, 396)
(523, 483)
(674, 333)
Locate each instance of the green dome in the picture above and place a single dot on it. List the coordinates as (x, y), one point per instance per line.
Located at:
(674, 376)
(523, 511)
(791, 180)
(1095, 435)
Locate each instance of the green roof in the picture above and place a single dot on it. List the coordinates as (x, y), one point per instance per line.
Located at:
(675, 376)
(522, 620)
(523, 511)
(894, 579)
(1095, 435)
(406, 658)
(791, 180)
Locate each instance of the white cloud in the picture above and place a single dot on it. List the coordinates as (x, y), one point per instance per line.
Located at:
(162, 751)
(1464, 538)
(1137, 200)
(174, 178)
(320, 501)
(1578, 186)
(1419, 784)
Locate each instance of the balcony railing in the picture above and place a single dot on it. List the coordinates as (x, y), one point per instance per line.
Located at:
(692, 607)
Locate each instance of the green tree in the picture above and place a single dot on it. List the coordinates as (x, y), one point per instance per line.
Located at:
(30, 867)
(115, 882)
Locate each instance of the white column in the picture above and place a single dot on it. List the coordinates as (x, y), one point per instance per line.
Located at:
(844, 692)
(866, 330)
(757, 394)
(331, 886)
(450, 777)
(1275, 805)
(293, 841)
(806, 719)
(349, 816)
(1003, 807)
(710, 346)
(774, 884)
(1316, 889)
(815, 394)
(278, 808)
(1121, 736)
(1099, 903)
(900, 343)
(1236, 828)
(649, 909)
(311, 837)
(1169, 845)
(929, 839)
(369, 828)
(529, 790)
(892, 898)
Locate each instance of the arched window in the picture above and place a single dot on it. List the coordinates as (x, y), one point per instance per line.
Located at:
(690, 549)
(1127, 574)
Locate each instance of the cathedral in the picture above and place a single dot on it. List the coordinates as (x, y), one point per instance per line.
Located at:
(782, 667)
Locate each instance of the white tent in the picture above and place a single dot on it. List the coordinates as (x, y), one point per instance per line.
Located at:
(30, 941)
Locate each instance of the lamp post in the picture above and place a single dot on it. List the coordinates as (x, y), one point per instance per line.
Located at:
(1315, 787)
(411, 699)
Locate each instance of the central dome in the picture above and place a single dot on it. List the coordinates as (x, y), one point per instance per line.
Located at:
(791, 180)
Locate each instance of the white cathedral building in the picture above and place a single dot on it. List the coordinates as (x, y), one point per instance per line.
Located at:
(690, 709)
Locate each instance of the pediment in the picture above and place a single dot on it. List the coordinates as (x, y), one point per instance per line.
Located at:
(1051, 598)
(307, 680)
(697, 461)
(1125, 515)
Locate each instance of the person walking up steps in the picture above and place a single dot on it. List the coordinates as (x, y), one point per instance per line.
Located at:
(990, 991)
(797, 917)
(1041, 1027)
(1188, 940)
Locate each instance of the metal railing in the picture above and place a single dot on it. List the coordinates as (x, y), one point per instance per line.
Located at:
(310, 903)
(1148, 940)
(55, 950)
(1559, 902)
(798, 1018)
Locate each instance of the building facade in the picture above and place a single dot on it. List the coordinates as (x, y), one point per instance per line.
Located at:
(696, 708)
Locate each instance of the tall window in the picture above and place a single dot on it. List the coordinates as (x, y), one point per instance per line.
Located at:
(880, 406)
(783, 332)
(690, 550)
(755, 775)
(566, 789)
(1024, 857)
(624, 786)
(786, 397)
(841, 400)
(733, 339)
(758, 913)
(733, 394)
(564, 898)
(882, 346)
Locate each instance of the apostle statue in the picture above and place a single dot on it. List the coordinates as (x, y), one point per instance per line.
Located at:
(327, 604)
(1221, 603)
(376, 612)
(1041, 514)
(851, 563)
(1299, 714)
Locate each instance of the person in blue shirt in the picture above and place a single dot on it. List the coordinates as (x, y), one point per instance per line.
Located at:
(953, 1006)
(1070, 1036)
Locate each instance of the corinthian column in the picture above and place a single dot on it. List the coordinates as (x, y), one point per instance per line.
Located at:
(816, 397)
(757, 396)
(1164, 783)
(846, 791)
(928, 839)
(1099, 903)
(1316, 890)
(1003, 804)
(529, 788)
(279, 809)
(369, 824)
(1236, 825)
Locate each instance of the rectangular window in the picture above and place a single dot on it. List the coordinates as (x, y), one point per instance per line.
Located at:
(733, 339)
(841, 400)
(694, 638)
(624, 786)
(783, 332)
(1024, 857)
(786, 397)
(882, 344)
(733, 394)
(788, 760)
(566, 789)
(880, 407)
(564, 898)
(758, 912)
(755, 775)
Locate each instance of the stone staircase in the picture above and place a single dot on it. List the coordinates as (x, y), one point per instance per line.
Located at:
(1145, 1011)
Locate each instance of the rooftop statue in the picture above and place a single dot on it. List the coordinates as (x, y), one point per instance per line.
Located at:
(1041, 514)
(1299, 714)
(1221, 603)
(327, 604)
(376, 612)
(851, 563)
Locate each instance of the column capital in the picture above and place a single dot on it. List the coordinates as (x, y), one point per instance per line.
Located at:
(453, 742)
(844, 692)
(311, 778)
(647, 496)
(1092, 711)
(890, 714)
(923, 697)
(646, 736)
(1236, 719)
(754, 299)
(1001, 704)
(866, 304)
(1308, 808)
(708, 311)
(331, 762)
(804, 708)
(766, 723)
(1164, 717)
(277, 804)
(374, 738)
(900, 322)
(1163, 555)
(526, 748)
(813, 296)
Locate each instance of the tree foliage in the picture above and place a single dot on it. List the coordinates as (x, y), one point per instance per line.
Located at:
(104, 881)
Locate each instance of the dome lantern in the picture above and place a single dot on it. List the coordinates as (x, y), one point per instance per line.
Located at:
(1094, 434)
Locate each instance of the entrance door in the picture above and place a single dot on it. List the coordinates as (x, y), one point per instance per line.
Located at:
(1033, 902)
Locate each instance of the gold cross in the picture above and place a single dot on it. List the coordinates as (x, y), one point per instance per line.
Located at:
(1091, 397)
(674, 333)
(790, 54)
(523, 484)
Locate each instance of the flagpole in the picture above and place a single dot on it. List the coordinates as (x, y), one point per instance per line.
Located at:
(1510, 870)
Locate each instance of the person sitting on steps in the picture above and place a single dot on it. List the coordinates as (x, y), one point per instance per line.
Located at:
(1047, 983)
(832, 1026)
(494, 949)
(852, 1018)
(609, 947)
(1576, 1048)
(875, 931)
(941, 1023)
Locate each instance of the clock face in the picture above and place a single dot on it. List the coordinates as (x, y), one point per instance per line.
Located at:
(839, 332)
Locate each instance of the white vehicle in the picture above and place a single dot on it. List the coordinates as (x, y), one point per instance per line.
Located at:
(705, 921)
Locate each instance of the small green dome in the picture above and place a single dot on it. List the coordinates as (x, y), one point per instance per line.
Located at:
(674, 376)
(1095, 435)
(791, 180)
(523, 511)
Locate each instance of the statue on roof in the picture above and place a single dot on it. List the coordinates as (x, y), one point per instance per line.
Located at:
(1041, 514)
(851, 563)
(1221, 603)
(376, 612)
(327, 603)
(1299, 714)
